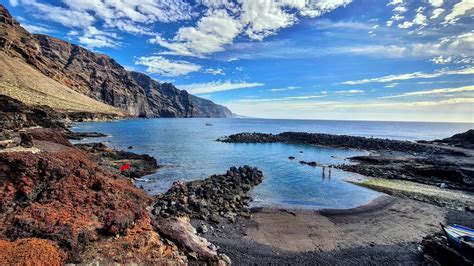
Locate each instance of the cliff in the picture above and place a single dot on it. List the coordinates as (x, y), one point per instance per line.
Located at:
(67, 66)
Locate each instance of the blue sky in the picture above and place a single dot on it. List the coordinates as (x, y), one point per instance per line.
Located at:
(303, 59)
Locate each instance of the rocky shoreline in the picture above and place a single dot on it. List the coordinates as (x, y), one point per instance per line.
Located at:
(219, 195)
(391, 159)
(443, 170)
(70, 204)
(337, 141)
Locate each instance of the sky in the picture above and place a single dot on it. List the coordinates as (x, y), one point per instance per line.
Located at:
(391, 60)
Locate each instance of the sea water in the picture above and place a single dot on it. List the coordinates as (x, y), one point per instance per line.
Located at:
(188, 150)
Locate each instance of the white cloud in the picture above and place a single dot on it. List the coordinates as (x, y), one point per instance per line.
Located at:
(224, 21)
(64, 16)
(39, 29)
(214, 71)
(350, 92)
(162, 66)
(419, 19)
(392, 85)
(400, 9)
(391, 51)
(405, 25)
(346, 25)
(139, 11)
(436, 3)
(459, 10)
(289, 88)
(416, 75)
(437, 12)
(95, 38)
(132, 17)
(284, 99)
(213, 31)
(200, 88)
(430, 92)
(440, 60)
(13, 2)
(396, 2)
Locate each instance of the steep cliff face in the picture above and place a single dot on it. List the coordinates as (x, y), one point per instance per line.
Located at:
(99, 76)
(165, 100)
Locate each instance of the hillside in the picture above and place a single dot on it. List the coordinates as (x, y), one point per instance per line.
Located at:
(53, 65)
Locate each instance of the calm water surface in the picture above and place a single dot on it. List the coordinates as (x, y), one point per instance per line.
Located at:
(188, 149)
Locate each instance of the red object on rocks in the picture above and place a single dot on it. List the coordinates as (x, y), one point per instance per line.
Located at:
(124, 167)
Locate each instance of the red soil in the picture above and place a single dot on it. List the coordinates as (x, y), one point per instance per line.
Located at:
(30, 251)
(63, 196)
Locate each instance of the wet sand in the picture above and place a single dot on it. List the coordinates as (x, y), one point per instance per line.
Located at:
(386, 231)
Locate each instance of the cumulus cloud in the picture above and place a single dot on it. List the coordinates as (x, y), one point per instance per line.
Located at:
(224, 21)
(415, 75)
(211, 33)
(437, 12)
(216, 86)
(162, 66)
(134, 17)
(459, 10)
(436, 3)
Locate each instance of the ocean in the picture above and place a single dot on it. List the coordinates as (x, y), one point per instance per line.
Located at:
(188, 150)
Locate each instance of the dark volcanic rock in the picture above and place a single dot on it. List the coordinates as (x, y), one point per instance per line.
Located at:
(437, 250)
(428, 170)
(26, 140)
(83, 135)
(99, 76)
(314, 164)
(165, 100)
(141, 164)
(212, 198)
(464, 140)
(338, 141)
(15, 115)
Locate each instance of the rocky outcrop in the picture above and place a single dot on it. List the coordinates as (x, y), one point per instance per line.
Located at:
(61, 195)
(165, 100)
(140, 164)
(99, 76)
(16, 115)
(438, 252)
(219, 196)
(463, 140)
(337, 141)
(431, 170)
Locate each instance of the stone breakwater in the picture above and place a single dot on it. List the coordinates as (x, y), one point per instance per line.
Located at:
(337, 141)
(219, 196)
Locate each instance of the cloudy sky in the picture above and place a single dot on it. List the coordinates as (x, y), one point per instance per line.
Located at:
(305, 59)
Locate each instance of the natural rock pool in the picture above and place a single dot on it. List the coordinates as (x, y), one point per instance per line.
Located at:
(188, 150)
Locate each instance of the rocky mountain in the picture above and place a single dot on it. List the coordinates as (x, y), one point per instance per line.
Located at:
(95, 75)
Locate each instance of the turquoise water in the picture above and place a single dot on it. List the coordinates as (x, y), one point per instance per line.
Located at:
(188, 150)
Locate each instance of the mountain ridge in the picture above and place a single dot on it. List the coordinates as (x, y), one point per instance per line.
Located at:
(99, 76)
